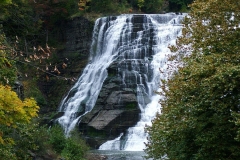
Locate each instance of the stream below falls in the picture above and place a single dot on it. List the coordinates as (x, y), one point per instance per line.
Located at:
(119, 155)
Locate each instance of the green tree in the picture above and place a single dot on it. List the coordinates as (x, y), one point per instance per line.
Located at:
(20, 137)
(18, 20)
(104, 6)
(3, 2)
(200, 108)
(28, 138)
(179, 5)
(13, 110)
(140, 4)
(154, 6)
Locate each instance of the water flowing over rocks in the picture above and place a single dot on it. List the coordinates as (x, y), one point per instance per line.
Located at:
(116, 89)
(115, 111)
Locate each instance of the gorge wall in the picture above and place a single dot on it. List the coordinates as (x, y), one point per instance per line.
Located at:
(75, 37)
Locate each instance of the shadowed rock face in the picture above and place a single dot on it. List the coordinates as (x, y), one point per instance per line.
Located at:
(76, 37)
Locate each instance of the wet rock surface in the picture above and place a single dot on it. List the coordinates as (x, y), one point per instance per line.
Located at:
(115, 111)
(117, 108)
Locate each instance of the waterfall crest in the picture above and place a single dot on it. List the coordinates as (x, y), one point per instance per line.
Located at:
(139, 45)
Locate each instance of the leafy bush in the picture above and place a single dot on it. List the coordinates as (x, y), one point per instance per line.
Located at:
(19, 141)
(6, 152)
(74, 150)
(31, 139)
(57, 138)
(71, 148)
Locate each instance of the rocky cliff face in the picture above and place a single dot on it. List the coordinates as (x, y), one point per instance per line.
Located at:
(76, 38)
(115, 111)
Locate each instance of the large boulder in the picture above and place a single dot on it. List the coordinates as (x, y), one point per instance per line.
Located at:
(115, 111)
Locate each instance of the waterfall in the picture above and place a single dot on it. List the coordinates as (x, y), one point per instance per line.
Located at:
(139, 45)
(83, 95)
(164, 31)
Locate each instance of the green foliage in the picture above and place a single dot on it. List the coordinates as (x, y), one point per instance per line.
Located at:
(6, 152)
(40, 141)
(31, 89)
(179, 5)
(8, 71)
(13, 110)
(200, 108)
(25, 24)
(4, 2)
(75, 148)
(154, 6)
(56, 11)
(73, 151)
(140, 4)
(108, 6)
(57, 138)
(27, 138)
(19, 21)
(237, 122)
(71, 148)
(104, 6)
(35, 23)
(147, 6)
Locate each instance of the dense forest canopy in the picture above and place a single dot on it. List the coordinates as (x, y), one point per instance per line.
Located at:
(200, 109)
(147, 6)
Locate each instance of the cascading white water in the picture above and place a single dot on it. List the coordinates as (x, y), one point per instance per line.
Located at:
(164, 34)
(139, 44)
(83, 95)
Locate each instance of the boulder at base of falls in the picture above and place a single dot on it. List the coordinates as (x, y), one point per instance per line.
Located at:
(110, 118)
(107, 125)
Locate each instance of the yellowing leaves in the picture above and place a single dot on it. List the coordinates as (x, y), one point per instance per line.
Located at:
(30, 107)
(13, 110)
